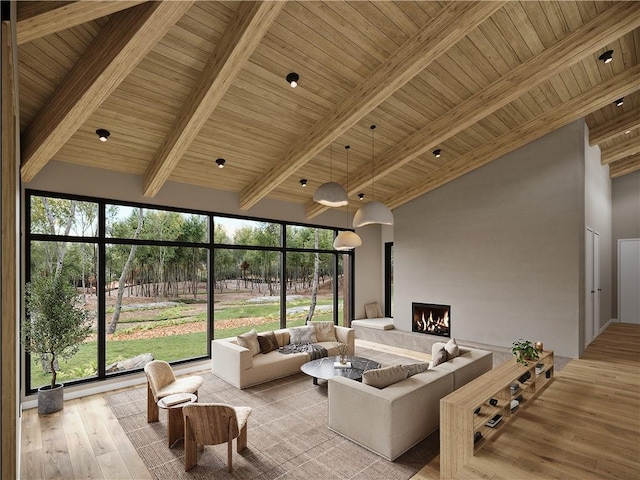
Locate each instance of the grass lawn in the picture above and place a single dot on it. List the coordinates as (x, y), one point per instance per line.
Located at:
(174, 347)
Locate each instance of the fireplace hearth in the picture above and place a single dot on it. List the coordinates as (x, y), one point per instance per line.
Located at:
(431, 318)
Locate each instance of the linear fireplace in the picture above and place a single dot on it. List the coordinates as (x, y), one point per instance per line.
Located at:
(431, 318)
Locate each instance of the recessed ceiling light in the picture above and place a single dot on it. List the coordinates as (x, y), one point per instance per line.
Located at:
(303, 182)
(437, 152)
(628, 132)
(103, 134)
(607, 56)
(361, 196)
(619, 102)
(292, 79)
(220, 162)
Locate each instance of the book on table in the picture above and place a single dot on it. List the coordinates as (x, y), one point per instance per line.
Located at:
(341, 365)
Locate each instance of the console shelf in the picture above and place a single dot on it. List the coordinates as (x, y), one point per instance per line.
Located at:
(492, 394)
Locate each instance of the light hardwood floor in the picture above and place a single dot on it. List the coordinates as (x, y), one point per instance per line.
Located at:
(586, 424)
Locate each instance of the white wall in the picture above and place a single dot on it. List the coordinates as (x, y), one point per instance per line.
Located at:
(598, 218)
(369, 280)
(503, 245)
(82, 180)
(626, 221)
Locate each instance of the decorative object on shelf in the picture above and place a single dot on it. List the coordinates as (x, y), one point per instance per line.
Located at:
(524, 350)
(347, 240)
(477, 437)
(539, 346)
(56, 327)
(331, 193)
(524, 377)
(539, 368)
(373, 212)
(343, 350)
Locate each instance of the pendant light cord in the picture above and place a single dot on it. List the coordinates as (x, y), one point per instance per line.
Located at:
(347, 147)
(373, 174)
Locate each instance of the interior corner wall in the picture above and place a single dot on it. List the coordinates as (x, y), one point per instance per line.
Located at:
(598, 218)
(625, 199)
(503, 245)
(369, 269)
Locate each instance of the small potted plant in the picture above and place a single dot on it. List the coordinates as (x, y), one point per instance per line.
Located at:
(343, 349)
(56, 326)
(524, 350)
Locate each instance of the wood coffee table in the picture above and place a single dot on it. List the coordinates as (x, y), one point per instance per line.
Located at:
(175, 425)
(323, 368)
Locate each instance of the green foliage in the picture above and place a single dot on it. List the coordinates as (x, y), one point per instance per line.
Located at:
(57, 322)
(524, 350)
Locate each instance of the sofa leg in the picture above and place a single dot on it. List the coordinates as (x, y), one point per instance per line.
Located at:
(153, 414)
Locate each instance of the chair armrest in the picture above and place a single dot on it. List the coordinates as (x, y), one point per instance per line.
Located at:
(348, 336)
(228, 360)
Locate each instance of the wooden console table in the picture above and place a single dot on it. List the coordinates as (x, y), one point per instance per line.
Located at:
(492, 394)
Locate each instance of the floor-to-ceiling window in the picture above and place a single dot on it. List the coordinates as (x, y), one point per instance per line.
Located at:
(158, 284)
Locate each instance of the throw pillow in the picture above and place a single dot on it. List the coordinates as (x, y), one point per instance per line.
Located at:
(303, 335)
(452, 349)
(373, 310)
(415, 368)
(438, 358)
(268, 342)
(325, 331)
(383, 377)
(250, 340)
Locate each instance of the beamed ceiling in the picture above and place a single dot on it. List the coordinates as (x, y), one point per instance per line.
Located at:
(179, 84)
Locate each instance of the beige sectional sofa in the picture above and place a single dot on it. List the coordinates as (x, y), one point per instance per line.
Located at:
(236, 364)
(391, 420)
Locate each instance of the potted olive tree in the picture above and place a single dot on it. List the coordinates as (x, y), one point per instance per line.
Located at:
(56, 326)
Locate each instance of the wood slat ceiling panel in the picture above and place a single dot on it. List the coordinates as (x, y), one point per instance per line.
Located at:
(333, 46)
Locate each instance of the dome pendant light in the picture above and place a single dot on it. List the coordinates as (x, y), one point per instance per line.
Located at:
(373, 212)
(331, 193)
(347, 240)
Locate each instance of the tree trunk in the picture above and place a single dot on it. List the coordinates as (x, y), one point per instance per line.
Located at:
(61, 246)
(123, 276)
(316, 274)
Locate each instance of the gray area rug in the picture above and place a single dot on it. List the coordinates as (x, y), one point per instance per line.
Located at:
(288, 436)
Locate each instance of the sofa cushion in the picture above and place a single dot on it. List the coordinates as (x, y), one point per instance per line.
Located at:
(415, 368)
(268, 342)
(452, 349)
(250, 340)
(325, 331)
(303, 335)
(383, 377)
(373, 310)
(438, 358)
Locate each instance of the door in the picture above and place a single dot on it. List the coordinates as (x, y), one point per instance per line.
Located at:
(592, 283)
(629, 280)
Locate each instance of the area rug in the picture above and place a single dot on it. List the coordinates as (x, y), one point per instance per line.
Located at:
(288, 437)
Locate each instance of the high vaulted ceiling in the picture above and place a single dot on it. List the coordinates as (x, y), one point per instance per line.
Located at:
(179, 84)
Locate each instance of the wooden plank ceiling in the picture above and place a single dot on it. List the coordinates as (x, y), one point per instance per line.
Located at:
(180, 84)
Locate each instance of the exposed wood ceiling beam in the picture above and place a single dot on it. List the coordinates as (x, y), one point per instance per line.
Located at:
(622, 167)
(615, 127)
(37, 19)
(241, 37)
(593, 99)
(610, 25)
(450, 26)
(620, 151)
(125, 40)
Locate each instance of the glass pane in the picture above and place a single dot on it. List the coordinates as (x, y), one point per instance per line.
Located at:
(156, 302)
(246, 291)
(309, 287)
(237, 231)
(76, 264)
(57, 216)
(304, 237)
(122, 222)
